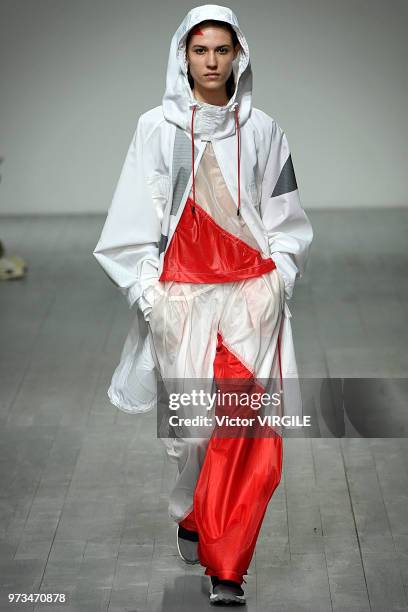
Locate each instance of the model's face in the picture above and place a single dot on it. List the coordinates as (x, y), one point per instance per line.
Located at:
(211, 52)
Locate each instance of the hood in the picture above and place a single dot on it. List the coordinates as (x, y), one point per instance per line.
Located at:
(210, 121)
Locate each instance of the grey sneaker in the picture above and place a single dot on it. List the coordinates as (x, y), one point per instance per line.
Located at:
(226, 592)
(187, 542)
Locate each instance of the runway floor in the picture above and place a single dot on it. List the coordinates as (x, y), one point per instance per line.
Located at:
(83, 497)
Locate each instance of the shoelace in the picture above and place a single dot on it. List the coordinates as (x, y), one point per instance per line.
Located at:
(236, 111)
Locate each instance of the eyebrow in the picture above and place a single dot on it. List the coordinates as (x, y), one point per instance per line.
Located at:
(204, 47)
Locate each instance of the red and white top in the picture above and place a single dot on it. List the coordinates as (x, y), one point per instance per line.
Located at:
(212, 244)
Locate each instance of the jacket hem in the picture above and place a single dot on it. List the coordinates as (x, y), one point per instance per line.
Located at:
(128, 408)
(228, 277)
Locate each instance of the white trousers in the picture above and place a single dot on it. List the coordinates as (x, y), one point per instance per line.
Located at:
(183, 326)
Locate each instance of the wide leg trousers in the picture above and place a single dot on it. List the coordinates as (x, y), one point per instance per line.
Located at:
(223, 484)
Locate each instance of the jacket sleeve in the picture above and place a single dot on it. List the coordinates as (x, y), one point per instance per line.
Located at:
(127, 249)
(288, 228)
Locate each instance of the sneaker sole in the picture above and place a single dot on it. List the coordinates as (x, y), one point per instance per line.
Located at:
(224, 598)
(188, 561)
(216, 598)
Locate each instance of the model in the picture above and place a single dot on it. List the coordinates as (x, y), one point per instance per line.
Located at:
(206, 236)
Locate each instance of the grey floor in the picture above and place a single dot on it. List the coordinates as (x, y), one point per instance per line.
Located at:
(83, 498)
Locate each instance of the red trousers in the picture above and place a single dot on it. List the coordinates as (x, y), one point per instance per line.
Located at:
(236, 482)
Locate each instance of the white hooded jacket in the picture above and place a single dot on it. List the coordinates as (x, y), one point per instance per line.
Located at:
(153, 188)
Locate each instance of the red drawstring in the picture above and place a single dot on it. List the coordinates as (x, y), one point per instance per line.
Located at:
(280, 364)
(238, 151)
(192, 154)
(238, 157)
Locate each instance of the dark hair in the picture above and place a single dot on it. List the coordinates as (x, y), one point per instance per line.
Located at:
(230, 84)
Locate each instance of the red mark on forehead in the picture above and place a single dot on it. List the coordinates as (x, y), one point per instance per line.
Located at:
(197, 31)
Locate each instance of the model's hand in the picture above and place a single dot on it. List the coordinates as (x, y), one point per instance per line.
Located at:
(148, 299)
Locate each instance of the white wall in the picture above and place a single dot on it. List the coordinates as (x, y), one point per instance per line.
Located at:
(76, 74)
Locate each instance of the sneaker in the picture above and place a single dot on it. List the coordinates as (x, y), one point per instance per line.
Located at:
(226, 592)
(187, 542)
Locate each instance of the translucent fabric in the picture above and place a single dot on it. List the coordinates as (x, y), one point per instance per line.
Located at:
(229, 332)
(212, 243)
(213, 196)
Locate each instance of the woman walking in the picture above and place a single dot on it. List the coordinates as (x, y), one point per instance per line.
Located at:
(206, 236)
